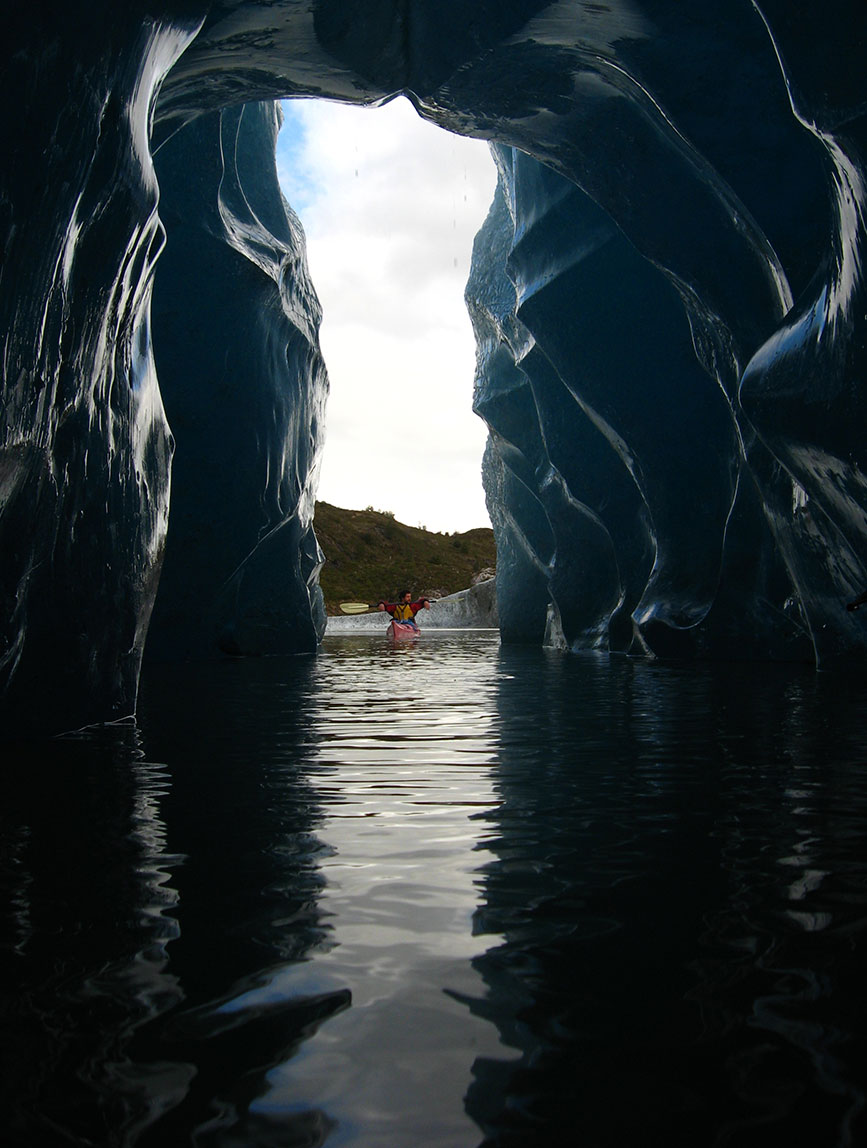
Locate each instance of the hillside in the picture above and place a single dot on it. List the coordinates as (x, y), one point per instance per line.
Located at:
(369, 555)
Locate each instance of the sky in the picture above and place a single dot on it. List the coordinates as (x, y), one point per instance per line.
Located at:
(390, 205)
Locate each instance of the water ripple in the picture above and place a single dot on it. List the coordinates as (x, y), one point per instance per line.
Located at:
(448, 894)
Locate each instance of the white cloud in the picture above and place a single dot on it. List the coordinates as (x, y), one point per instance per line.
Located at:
(391, 205)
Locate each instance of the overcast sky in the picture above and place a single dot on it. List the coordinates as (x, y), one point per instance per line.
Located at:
(390, 205)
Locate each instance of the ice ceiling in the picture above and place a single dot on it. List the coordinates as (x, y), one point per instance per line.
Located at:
(668, 297)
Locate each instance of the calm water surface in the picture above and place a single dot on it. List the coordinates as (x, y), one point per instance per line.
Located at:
(447, 894)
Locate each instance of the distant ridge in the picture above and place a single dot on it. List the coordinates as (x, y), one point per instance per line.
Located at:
(370, 555)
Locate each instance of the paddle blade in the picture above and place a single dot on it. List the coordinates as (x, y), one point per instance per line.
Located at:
(355, 607)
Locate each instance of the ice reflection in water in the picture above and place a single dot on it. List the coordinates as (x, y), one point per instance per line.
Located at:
(681, 888)
(85, 881)
(443, 895)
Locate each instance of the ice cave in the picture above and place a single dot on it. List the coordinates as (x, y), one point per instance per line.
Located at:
(668, 297)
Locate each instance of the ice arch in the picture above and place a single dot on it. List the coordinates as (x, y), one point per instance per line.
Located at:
(668, 296)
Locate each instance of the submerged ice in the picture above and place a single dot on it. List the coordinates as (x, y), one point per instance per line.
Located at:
(668, 298)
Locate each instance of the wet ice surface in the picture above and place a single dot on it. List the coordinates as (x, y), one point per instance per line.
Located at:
(442, 894)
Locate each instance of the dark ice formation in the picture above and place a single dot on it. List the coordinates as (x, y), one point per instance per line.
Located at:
(668, 295)
(235, 327)
(615, 481)
(670, 466)
(84, 461)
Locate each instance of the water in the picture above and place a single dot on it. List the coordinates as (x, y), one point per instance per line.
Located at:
(445, 894)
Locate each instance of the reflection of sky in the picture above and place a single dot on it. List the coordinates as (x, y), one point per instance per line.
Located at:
(390, 206)
(404, 766)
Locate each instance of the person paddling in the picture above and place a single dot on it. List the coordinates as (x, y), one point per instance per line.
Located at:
(404, 609)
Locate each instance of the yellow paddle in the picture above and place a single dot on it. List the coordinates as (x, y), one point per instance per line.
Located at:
(355, 607)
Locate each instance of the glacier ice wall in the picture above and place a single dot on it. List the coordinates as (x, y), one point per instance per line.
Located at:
(671, 316)
(668, 410)
(622, 504)
(84, 447)
(235, 326)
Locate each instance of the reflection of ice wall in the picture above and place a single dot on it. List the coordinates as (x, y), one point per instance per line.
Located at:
(236, 324)
(672, 323)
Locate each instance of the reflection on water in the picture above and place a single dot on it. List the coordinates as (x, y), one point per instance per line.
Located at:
(680, 884)
(87, 919)
(444, 894)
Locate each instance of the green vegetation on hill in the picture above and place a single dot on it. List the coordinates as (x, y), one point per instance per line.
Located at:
(369, 555)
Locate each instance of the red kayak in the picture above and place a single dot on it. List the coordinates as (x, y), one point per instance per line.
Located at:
(400, 631)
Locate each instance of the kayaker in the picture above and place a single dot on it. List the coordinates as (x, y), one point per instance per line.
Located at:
(404, 609)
